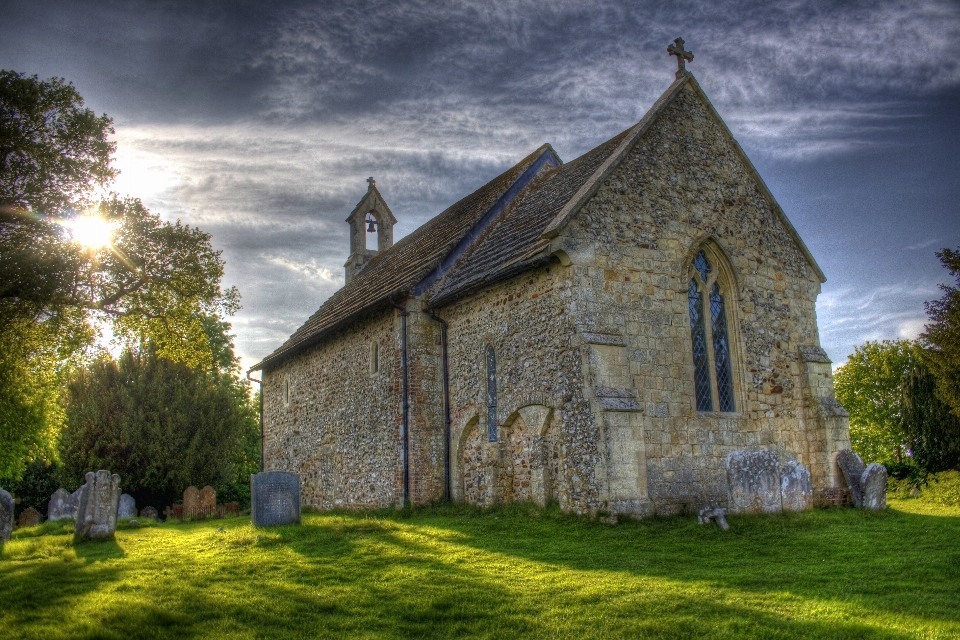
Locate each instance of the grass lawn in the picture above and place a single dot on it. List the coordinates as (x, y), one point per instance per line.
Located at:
(514, 572)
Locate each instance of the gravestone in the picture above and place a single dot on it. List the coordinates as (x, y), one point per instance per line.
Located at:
(716, 514)
(29, 518)
(97, 513)
(796, 491)
(207, 503)
(275, 498)
(177, 512)
(75, 497)
(6, 516)
(128, 507)
(753, 479)
(851, 466)
(62, 505)
(149, 513)
(873, 483)
(191, 501)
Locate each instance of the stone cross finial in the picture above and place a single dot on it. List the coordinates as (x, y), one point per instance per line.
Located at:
(676, 49)
(371, 182)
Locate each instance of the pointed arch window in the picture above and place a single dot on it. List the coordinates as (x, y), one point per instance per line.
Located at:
(712, 365)
(491, 395)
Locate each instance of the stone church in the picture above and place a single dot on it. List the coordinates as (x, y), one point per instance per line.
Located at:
(602, 333)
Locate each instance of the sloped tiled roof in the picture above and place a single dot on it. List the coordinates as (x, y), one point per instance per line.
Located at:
(516, 235)
(392, 273)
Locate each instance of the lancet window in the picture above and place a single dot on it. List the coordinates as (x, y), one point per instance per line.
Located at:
(491, 395)
(712, 366)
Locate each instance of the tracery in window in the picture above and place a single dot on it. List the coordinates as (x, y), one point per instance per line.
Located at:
(712, 360)
(491, 395)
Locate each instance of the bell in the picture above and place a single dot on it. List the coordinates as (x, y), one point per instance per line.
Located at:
(371, 225)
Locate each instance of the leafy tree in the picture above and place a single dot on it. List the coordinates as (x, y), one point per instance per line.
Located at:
(868, 385)
(154, 281)
(160, 425)
(52, 150)
(942, 336)
(931, 430)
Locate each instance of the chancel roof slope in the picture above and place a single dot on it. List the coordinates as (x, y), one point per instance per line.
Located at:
(392, 273)
(516, 236)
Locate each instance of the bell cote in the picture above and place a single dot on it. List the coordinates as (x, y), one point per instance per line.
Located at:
(371, 215)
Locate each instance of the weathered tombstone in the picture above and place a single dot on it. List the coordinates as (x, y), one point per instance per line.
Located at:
(716, 514)
(873, 483)
(97, 513)
(795, 488)
(207, 503)
(177, 512)
(149, 513)
(753, 479)
(62, 505)
(275, 498)
(851, 466)
(127, 507)
(191, 500)
(6, 516)
(29, 517)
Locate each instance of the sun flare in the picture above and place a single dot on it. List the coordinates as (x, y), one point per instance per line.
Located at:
(92, 232)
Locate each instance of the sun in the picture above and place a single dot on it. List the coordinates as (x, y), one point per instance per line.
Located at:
(92, 232)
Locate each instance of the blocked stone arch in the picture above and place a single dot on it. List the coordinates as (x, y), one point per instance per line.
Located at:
(527, 454)
(725, 275)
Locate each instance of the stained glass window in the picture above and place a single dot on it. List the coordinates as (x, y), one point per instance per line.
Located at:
(701, 375)
(491, 395)
(721, 350)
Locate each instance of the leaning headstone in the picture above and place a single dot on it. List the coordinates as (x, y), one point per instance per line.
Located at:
(191, 500)
(207, 503)
(149, 513)
(851, 466)
(753, 479)
(6, 516)
(97, 514)
(796, 491)
(62, 505)
(275, 498)
(28, 518)
(128, 507)
(873, 483)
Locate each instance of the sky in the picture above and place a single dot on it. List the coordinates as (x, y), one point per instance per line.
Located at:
(260, 122)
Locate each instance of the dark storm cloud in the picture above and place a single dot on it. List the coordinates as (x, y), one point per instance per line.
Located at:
(260, 121)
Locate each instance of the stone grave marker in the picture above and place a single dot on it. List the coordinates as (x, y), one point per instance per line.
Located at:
(753, 479)
(97, 513)
(6, 516)
(275, 498)
(873, 483)
(62, 505)
(716, 514)
(127, 507)
(29, 517)
(191, 501)
(207, 503)
(149, 513)
(177, 512)
(795, 488)
(851, 466)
